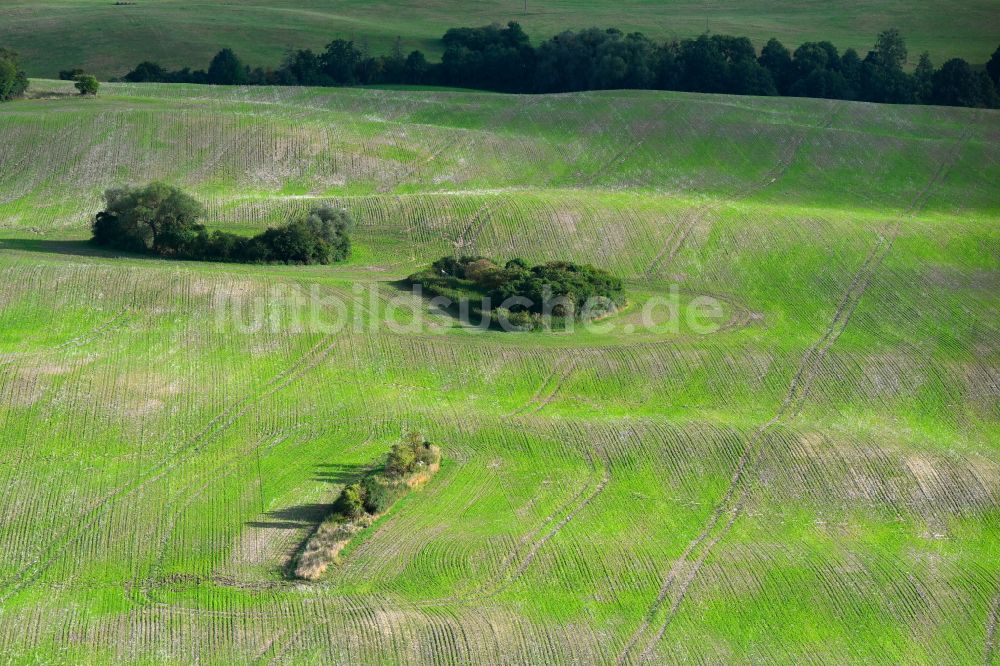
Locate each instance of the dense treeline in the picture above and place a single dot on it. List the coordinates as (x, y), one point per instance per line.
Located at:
(161, 219)
(517, 296)
(13, 80)
(503, 59)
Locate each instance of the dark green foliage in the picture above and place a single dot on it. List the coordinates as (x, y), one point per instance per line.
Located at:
(409, 456)
(339, 63)
(87, 84)
(993, 67)
(491, 56)
(318, 236)
(502, 58)
(227, 69)
(956, 84)
(923, 79)
(147, 72)
(375, 493)
(70, 74)
(163, 220)
(776, 59)
(558, 288)
(13, 80)
(158, 218)
(379, 496)
(351, 502)
(596, 59)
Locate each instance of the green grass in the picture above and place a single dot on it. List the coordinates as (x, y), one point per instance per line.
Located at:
(109, 40)
(159, 462)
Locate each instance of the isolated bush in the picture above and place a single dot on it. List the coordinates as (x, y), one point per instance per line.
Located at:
(87, 84)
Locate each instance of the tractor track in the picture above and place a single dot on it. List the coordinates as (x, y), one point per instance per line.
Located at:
(686, 568)
(31, 572)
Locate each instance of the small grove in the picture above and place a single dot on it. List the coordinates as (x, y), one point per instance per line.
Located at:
(408, 465)
(522, 295)
(503, 59)
(163, 220)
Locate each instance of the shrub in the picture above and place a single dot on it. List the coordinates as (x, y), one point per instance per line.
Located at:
(408, 456)
(86, 84)
(351, 502)
(378, 496)
(401, 460)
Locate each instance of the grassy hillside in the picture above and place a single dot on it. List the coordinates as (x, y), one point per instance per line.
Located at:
(818, 480)
(110, 39)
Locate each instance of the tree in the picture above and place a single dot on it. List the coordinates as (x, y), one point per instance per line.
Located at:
(340, 62)
(890, 49)
(227, 69)
(416, 67)
(923, 78)
(778, 60)
(955, 84)
(13, 80)
(147, 72)
(158, 218)
(993, 67)
(882, 75)
(87, 84)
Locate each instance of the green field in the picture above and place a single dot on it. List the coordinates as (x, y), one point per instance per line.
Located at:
(816, 481)
(109, 39)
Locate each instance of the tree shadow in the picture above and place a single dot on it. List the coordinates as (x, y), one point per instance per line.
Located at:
(294, 517)
(309, 515)
(79, 248)
(338, 473)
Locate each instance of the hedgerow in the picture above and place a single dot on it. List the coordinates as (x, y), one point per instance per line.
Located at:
(409, 464)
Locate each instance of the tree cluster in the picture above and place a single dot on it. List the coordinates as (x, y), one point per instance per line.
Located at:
(163, 220)
(13, 80)
(525, 293)
(503, 59)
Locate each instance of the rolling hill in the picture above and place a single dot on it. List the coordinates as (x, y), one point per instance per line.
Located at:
(817, 479)
(109, 38)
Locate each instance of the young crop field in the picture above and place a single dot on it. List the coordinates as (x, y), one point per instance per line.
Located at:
(815, 479)
(109, 38)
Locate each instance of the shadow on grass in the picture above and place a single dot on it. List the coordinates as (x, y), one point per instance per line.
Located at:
(311, 515)
(78, 248)
(294, 517)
